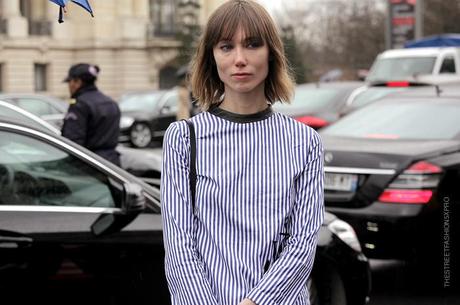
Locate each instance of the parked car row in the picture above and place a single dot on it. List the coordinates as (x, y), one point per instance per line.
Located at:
(319, 104)
(390, 167)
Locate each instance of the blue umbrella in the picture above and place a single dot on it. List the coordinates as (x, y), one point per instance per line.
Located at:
(84, 4)
(62, 3)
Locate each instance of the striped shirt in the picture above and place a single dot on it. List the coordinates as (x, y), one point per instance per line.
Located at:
(259, 207)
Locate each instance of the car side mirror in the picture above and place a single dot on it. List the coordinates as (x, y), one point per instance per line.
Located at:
(132, 204)
(165, 109)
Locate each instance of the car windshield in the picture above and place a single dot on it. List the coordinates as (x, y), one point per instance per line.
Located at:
(389, 69)
(427, 120)
(140, 102)
(310, 99)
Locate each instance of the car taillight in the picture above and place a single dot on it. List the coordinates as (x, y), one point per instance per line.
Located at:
(406, 196)
(398, 84)
(414, 185)
(313, 122)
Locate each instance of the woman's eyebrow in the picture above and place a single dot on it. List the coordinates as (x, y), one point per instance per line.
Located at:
(252, 39)
(224, 40)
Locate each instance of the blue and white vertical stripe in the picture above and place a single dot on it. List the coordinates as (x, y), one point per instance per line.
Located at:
(256, 181)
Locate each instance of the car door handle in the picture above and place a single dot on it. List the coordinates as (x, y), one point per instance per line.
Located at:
(10, 242)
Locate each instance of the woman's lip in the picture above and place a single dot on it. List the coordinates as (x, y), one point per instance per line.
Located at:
(241, 75)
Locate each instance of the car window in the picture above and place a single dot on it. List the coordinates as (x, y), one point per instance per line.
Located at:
(36, 106)
(389, 69)
(430, 120)
(33, 172)
(448, 65)
(140, 102)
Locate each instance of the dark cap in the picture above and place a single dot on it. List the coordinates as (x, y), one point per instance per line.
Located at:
(85, 72)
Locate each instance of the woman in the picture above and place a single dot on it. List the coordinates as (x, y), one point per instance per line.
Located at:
(252, 234)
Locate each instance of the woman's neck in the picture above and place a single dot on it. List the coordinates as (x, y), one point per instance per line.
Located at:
(244, 103)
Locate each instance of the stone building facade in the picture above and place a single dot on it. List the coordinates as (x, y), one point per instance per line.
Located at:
(133, 41)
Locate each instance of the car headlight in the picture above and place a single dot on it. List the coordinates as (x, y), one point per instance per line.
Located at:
(346, 233)
(126, 121)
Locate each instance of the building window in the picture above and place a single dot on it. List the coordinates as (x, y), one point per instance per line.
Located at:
(25, 9)
(35, 13)
(40, 77)
(163, 17)
(3, 23)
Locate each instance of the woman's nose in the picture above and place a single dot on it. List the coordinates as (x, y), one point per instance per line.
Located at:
(240, 56)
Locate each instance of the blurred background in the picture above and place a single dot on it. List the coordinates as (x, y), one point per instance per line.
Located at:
(140, 44)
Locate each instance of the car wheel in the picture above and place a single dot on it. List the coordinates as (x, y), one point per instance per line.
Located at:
(140, 135)
(327, 288)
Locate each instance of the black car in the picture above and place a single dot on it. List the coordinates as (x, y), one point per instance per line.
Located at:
(48, 108)
(318, 104)
(392, 172)
(75, 229)
(145, 116)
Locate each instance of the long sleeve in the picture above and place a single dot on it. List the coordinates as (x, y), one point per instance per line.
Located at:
(288, 275)
(185, 272)
(75, 123)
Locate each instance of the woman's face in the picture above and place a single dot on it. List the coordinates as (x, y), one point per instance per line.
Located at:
(242, 63)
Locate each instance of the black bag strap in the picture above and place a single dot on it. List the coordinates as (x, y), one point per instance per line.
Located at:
(192, 172)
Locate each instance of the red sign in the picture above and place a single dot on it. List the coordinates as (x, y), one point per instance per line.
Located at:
(402, 21)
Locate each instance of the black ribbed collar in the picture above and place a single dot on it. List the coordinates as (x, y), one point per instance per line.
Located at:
(241, 118)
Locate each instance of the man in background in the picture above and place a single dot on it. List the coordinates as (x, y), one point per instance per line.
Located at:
(93, 120)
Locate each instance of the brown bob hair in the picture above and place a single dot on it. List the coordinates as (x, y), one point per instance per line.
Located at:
(207, 88)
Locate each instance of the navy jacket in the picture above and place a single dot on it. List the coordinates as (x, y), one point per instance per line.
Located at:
(93, 121)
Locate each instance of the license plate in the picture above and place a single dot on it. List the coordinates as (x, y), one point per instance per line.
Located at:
(340, 182)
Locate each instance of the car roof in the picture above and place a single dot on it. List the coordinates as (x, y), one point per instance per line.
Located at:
(416, 52)
(341, 84)
(62, 104)
(439, 91)
(143, 92)
(31, 95)
(23, 123)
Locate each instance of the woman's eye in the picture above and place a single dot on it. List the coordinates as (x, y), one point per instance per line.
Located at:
(254, 44)
(225, 47)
